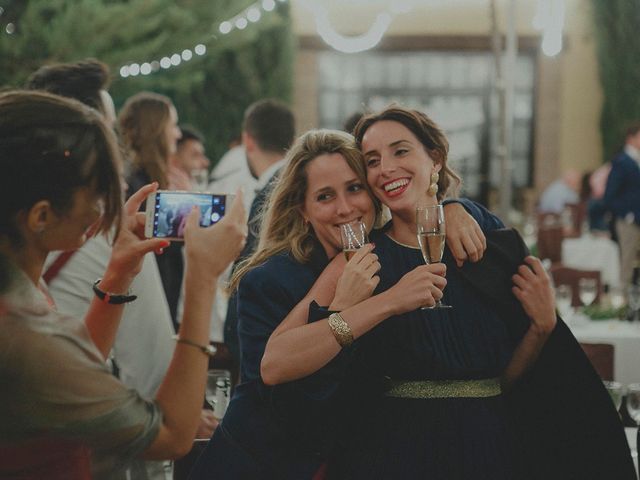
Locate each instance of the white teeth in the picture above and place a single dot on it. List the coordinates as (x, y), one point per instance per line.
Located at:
(396, 184)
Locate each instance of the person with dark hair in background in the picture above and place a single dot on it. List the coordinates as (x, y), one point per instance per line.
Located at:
(351, 122)
(87, 81)
(63, 415)
(267, 133)
(622, 199)
(188, 165)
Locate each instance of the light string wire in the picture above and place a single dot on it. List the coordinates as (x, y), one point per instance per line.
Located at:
(252, 14)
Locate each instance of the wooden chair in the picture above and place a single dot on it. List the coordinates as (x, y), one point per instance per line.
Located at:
(550, 242)
(601, 357)
(563, 275)
(578, 217)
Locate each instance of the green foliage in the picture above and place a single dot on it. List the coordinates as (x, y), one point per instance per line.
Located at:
(210, 92)
(616, 25)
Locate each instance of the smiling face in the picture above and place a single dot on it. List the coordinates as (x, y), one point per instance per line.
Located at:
(191, 156)
(398, 166)
(334, 196)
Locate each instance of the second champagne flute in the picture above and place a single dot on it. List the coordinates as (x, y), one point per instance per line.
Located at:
(354, 236)
(431, 237)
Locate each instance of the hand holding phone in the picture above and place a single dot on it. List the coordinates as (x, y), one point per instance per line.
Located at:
(167, 211)
(211, 250)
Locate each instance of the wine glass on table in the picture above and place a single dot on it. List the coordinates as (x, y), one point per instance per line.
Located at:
(354, 236)
(616, 392)
(431, 237)
(563, 300)
(634, 301)
(633, 401)
(588, 290)
(218, 391)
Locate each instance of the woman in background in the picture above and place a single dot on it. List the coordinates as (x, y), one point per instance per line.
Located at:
(148, 123)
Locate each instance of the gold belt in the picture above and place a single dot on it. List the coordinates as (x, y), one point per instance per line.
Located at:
(487, 387)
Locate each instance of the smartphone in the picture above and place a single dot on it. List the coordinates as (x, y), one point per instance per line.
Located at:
(167, 211)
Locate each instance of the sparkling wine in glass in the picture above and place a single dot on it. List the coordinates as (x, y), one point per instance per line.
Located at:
(431, 237)
(354, 236)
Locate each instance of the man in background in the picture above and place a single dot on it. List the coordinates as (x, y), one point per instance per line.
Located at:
(560, 192)
(622, 199)
(268, 131)
(189, 164)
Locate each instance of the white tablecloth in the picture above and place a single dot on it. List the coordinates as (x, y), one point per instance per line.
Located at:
(625, 338)
(593, 253)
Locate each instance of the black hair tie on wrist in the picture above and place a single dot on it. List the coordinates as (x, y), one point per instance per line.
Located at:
(110, 298)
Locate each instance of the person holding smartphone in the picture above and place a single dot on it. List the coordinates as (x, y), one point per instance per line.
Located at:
(62, 413)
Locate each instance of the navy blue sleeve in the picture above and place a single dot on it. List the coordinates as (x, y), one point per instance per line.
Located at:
(487, 220)
(263, 302)
(612, 200)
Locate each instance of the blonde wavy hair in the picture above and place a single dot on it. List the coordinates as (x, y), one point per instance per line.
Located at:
(143, 121)
(283, 228)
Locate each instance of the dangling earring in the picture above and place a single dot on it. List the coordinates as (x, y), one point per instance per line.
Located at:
(433, 187)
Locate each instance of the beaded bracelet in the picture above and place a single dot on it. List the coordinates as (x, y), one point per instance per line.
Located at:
(340, 330)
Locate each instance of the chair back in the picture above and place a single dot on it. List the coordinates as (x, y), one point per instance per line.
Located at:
(563, 275)
(550, 235)
(601, 357)
(578, 212)
(46, 457)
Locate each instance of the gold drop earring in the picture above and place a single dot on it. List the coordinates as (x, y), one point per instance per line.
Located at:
(433, 187)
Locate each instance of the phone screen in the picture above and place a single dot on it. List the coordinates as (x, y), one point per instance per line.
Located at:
(172, 209)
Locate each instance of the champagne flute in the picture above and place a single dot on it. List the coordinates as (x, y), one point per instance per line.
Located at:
(354, 236)
(431, 237)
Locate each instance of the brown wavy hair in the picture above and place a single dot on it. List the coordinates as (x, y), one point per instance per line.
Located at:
(143, 122)
(427, 131)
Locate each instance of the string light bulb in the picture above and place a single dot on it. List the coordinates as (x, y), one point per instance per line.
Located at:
(251, 14)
